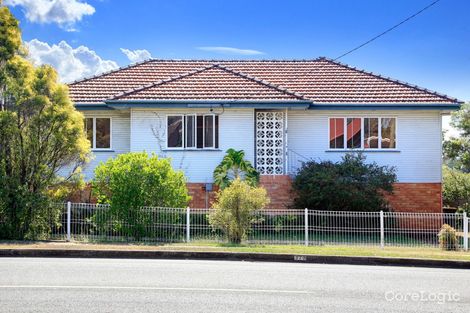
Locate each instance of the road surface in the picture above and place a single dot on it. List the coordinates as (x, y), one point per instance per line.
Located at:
(110, 285)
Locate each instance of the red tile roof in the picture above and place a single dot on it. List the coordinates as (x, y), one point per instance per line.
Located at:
(212, 82)
(320, 81)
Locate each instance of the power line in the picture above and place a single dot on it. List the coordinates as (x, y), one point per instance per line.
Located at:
(387, 31)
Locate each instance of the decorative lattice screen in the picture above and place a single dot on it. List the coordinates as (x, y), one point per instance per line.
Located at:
(270, 143)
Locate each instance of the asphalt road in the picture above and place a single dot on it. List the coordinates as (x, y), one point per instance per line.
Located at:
(104, 285)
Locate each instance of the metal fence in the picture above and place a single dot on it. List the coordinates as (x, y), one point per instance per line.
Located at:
(95, 222)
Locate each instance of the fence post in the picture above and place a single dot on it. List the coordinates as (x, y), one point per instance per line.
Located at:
(188, 215)
(465, 231)
(306, 226)
(382, 230)
(69, 213)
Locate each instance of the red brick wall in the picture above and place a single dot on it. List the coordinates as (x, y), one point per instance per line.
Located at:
(279, 188)
(198, 193)
(416, 197)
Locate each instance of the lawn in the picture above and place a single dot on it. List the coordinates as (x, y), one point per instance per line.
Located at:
(397, 252)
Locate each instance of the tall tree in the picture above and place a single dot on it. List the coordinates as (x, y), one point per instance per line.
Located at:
(457, 150)
(40, 134)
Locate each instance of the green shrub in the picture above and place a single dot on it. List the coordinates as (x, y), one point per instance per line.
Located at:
(349, 185)
(448, 238)
(235, 209)
(456, 189)
(132, 181)
(235, 166)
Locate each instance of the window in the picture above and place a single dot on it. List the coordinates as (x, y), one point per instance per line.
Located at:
(98, 132)
(362, 133)
(193, 131)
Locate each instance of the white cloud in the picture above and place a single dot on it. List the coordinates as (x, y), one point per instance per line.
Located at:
(65, 13)
(230, 50)
(136, 55)
(70, 63)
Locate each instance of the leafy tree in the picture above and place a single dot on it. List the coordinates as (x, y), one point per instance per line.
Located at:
(456, 189)
(235, 166)
(40, 134)
(135, 180)
(235, 209)
(457, 150)
(349, 185)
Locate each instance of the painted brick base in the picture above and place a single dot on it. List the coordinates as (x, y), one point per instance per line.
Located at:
(416, 197)
(279, 188)
(199, 195)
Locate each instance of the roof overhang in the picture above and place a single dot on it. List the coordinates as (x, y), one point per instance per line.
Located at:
(257, 104)
(385, 106)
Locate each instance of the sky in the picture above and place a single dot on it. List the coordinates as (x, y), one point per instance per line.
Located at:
(86, 37)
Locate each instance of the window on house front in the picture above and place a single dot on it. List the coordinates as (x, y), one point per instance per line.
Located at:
(362, 133)
(193, 131)
(98, 132)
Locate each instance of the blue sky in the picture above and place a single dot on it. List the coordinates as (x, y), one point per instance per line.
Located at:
(432, 50)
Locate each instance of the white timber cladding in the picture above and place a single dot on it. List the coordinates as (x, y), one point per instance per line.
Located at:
(417, 156)
(120, 138)
(236, 130)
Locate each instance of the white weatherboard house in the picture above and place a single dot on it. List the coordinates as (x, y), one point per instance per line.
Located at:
(279, 112)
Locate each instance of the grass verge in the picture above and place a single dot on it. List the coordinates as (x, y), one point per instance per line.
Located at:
(395, 252)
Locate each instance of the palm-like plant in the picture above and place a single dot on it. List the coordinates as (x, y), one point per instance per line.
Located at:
(235, 166)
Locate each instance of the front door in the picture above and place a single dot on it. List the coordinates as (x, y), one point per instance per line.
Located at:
(270, 142)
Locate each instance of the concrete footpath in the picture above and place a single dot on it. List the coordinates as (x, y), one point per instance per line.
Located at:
(229, 256)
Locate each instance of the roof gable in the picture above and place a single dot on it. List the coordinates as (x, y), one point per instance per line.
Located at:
(320, 81)
(212, 82)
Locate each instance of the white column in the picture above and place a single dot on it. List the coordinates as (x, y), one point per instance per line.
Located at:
(382, 230)
(188, 215)
(69, 213)
(306, 226)
(465, 231)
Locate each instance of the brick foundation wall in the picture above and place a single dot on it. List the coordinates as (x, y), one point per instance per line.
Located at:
(279, 188)
(198, 193)
(416, 197)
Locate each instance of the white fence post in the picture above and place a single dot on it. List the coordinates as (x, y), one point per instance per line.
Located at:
(465, 231)
(188, 215)
(306, 226)
(69, 217)
(382, 230)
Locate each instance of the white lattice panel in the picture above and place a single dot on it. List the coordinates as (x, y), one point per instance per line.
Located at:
(270, 143)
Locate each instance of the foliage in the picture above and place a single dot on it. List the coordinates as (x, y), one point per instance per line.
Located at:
(135, 180)
(457, 150)
(235, 166)
(456, 189)
(448, 238)
(40, 134)
(349, 185)
(235, 209)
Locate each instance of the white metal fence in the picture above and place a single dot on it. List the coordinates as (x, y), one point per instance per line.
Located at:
(94, 222)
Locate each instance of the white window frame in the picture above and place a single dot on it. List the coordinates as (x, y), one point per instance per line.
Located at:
(345, 146)
(93, 143)
(184, 147)
(204, 131)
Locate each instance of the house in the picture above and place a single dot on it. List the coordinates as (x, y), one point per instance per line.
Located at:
(280, 112)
